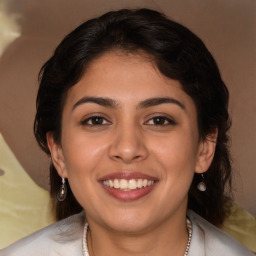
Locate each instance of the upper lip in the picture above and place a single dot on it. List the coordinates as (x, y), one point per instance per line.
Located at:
(127, 176)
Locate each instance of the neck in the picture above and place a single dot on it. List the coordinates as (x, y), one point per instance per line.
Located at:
(167, 238)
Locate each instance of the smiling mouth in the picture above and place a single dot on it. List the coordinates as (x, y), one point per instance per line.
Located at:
(128, 185)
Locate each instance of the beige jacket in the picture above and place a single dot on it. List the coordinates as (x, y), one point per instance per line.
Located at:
(64, 238)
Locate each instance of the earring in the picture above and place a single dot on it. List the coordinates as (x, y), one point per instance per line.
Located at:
(201, 185)
(62, 193)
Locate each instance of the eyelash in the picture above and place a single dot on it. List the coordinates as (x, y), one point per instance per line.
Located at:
(164, 121)
(167, 121)
(89, 121)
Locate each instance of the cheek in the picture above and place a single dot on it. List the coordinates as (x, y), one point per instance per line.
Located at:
(82, 155)
(177, 157)
(178, 150)
(83, 159)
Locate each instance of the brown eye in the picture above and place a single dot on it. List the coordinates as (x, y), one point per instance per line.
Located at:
(97, 120)
(94, 121)
(161, 121)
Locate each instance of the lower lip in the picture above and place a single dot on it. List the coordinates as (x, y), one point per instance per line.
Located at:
(131, 195)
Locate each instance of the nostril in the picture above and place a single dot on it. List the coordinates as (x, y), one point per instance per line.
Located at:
(127, 158)
(2, 172)
(127, 149)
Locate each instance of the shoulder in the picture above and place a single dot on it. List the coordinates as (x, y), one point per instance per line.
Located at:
(208, 240)
(61, 238)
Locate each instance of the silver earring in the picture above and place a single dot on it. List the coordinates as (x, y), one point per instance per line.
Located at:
(62, 193)
(201, 185)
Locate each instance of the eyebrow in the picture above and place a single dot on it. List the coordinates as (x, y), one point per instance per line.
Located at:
(158, 101)
(105, 102)
(110, 103)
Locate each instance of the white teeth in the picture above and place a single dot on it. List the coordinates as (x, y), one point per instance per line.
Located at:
(132, 184)
(139, 183)
(124, 184)
(116, 183)
(106, 182)
(144, 183)
(111, 183)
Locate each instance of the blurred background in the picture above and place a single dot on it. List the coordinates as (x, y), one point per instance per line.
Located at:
(35, 28)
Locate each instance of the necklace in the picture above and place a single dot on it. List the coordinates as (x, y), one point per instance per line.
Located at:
(189, 228)
(85, 247)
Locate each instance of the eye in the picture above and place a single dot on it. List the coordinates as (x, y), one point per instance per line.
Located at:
(160, 121)
(95, 121)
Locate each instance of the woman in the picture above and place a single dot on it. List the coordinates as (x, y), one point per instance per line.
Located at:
(133, 112)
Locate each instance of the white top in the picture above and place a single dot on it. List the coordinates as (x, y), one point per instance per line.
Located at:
(65, 238)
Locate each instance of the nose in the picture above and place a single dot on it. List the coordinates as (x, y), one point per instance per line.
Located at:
(128, 145)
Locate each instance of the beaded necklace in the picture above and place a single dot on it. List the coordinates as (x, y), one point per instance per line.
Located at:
(85, 248)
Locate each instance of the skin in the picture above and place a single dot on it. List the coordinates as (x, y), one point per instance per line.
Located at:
(129, 138)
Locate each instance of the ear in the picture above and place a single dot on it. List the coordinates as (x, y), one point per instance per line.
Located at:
(57, 155)
(206, 152)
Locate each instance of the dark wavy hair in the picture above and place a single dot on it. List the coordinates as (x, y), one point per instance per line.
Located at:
(178, 54)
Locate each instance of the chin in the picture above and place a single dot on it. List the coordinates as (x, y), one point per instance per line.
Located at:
(129, 223)
(130, 227)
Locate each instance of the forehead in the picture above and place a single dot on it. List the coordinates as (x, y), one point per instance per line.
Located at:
(116, 73)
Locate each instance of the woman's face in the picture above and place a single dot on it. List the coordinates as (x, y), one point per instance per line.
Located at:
(130, 144)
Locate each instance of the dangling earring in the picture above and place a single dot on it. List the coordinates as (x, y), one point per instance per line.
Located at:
(62, 193)
(201, 185)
